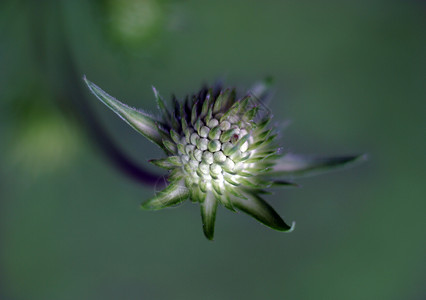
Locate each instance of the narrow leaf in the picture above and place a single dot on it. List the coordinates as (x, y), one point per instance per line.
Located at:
(161, 105)
(226, 201)
(139, 120)
(263, 123)
(175, 175)
(209, 115)
(301, 165)
(256, 207)
(231, 111)
(174, 160)
(162, 163)
(208, 215)
(206, 105)
(170, 146)
(250, 114)
(230, 180)
(173, 194)
(194, 113)
(221, 101)
(175, 136)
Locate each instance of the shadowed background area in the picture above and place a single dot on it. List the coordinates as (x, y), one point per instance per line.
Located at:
(350, 76)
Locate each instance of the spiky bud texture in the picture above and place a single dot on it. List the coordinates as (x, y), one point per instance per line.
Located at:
(220, 149)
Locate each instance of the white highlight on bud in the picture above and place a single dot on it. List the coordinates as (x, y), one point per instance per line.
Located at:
(225, 125)
(189, 149)
(219, 157)
(208, 157)
(194, 164)
(198, 154)
(213, 123)
(204, 168)
(216, 134)
(244, 147)
(204, 131)
(184, 159)
(229, 164)
(194, 138)
(227, 146)
(202, 144)
(215, 169)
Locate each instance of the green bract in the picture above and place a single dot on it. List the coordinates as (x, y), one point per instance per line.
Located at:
(220, 149)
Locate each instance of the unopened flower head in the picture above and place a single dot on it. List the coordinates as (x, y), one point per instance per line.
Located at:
(220, 149)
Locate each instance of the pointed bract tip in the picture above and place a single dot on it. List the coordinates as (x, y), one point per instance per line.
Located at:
(293, 226)
(154, 90)
(209, 235)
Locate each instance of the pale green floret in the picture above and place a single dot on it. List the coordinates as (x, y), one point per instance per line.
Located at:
(202, 144)
(207, 157)
(204, 132)
(219, 157)
(214, 145)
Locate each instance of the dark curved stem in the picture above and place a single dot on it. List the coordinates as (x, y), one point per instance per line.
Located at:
(72, 92)
(98, 134)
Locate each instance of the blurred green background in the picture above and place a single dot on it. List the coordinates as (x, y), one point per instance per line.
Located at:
(350, 75)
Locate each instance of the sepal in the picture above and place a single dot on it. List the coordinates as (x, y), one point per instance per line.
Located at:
(256, 207)
(138, 120)
(208, 215)
(173, 194)
(302, 165)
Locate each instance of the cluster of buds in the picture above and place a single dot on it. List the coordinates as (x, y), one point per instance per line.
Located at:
(220, 148)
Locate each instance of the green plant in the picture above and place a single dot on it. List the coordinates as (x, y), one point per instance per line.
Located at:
(219, 148)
